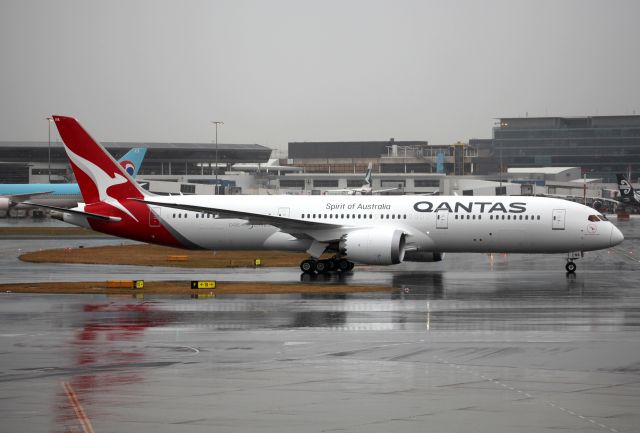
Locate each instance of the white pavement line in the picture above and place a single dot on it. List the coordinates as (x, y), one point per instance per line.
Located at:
(625, 254)
(582, 417)
(550, 403)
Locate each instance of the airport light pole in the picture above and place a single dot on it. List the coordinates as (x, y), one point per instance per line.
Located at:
(49, 119)
(216, 122)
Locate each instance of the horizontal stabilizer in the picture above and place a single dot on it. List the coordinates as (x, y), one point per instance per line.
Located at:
(78, 212)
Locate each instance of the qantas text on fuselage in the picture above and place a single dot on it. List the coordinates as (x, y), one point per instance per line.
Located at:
(428, 206)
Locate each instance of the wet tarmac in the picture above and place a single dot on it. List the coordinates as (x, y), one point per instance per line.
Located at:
(471, 344)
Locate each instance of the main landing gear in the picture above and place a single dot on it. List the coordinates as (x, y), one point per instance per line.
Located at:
(311, 266)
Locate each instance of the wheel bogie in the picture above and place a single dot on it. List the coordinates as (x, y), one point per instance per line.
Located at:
(312, 266)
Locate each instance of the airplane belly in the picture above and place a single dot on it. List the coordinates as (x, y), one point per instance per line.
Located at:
(513, 241)
(537, 241)
(507, 240)
(230, 235)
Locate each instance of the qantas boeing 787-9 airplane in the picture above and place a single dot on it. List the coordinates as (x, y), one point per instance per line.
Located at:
(377, 230)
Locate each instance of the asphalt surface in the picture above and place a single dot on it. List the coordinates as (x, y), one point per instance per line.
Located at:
(472, 344)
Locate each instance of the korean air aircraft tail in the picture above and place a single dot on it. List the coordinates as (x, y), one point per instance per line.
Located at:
(627, 194)
(132, 160)
(62, 195)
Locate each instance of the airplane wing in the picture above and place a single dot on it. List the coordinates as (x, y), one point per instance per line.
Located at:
(321, 233)
(363, 191)
(608, 200)
(295, 227)
(377, 191)
(19, 198)
(576, 198)
(349, 191)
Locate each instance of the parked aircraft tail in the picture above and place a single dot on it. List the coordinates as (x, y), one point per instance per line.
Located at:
(367, 176)
(132, 160)
(627, 193)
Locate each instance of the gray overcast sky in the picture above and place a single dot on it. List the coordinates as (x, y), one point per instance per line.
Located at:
(279, 71)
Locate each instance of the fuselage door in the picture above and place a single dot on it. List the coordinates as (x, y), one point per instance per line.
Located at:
(442, 219)
(283, 212)
(557, 221)
(154, 216)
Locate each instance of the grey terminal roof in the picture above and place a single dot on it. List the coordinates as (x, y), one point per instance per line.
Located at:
(37, 151)
(344, 149)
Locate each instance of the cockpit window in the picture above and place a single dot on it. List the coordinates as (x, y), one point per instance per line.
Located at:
(595, 218)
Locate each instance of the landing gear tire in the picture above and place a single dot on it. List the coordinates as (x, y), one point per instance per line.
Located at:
(344, 265)
(323, 266)
(308, 266)
(570, 267)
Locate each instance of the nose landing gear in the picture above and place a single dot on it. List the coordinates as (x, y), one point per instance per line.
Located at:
(571, 266)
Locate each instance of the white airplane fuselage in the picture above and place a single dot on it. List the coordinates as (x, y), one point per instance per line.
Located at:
(431, 224)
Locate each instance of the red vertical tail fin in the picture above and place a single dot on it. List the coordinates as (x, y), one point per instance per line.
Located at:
(100, 177)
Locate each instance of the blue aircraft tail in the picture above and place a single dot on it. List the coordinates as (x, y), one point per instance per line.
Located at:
(132, 160)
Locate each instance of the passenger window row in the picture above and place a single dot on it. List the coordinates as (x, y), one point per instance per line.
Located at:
(501, 217)
(198, 215)
(350, 216)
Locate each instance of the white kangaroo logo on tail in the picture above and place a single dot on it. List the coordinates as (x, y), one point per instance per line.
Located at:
(101, 179)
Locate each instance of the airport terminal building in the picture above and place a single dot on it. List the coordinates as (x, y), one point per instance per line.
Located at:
(386, 156)
(29, 162)
(601, 145)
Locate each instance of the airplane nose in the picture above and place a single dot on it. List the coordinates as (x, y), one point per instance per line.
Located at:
(616, 236)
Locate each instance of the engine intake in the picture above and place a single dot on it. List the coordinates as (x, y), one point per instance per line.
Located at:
(5, 203)
(378, 246)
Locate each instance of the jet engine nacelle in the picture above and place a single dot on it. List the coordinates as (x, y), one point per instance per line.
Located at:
(422, 256)
(5, 203)
(374, 246)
